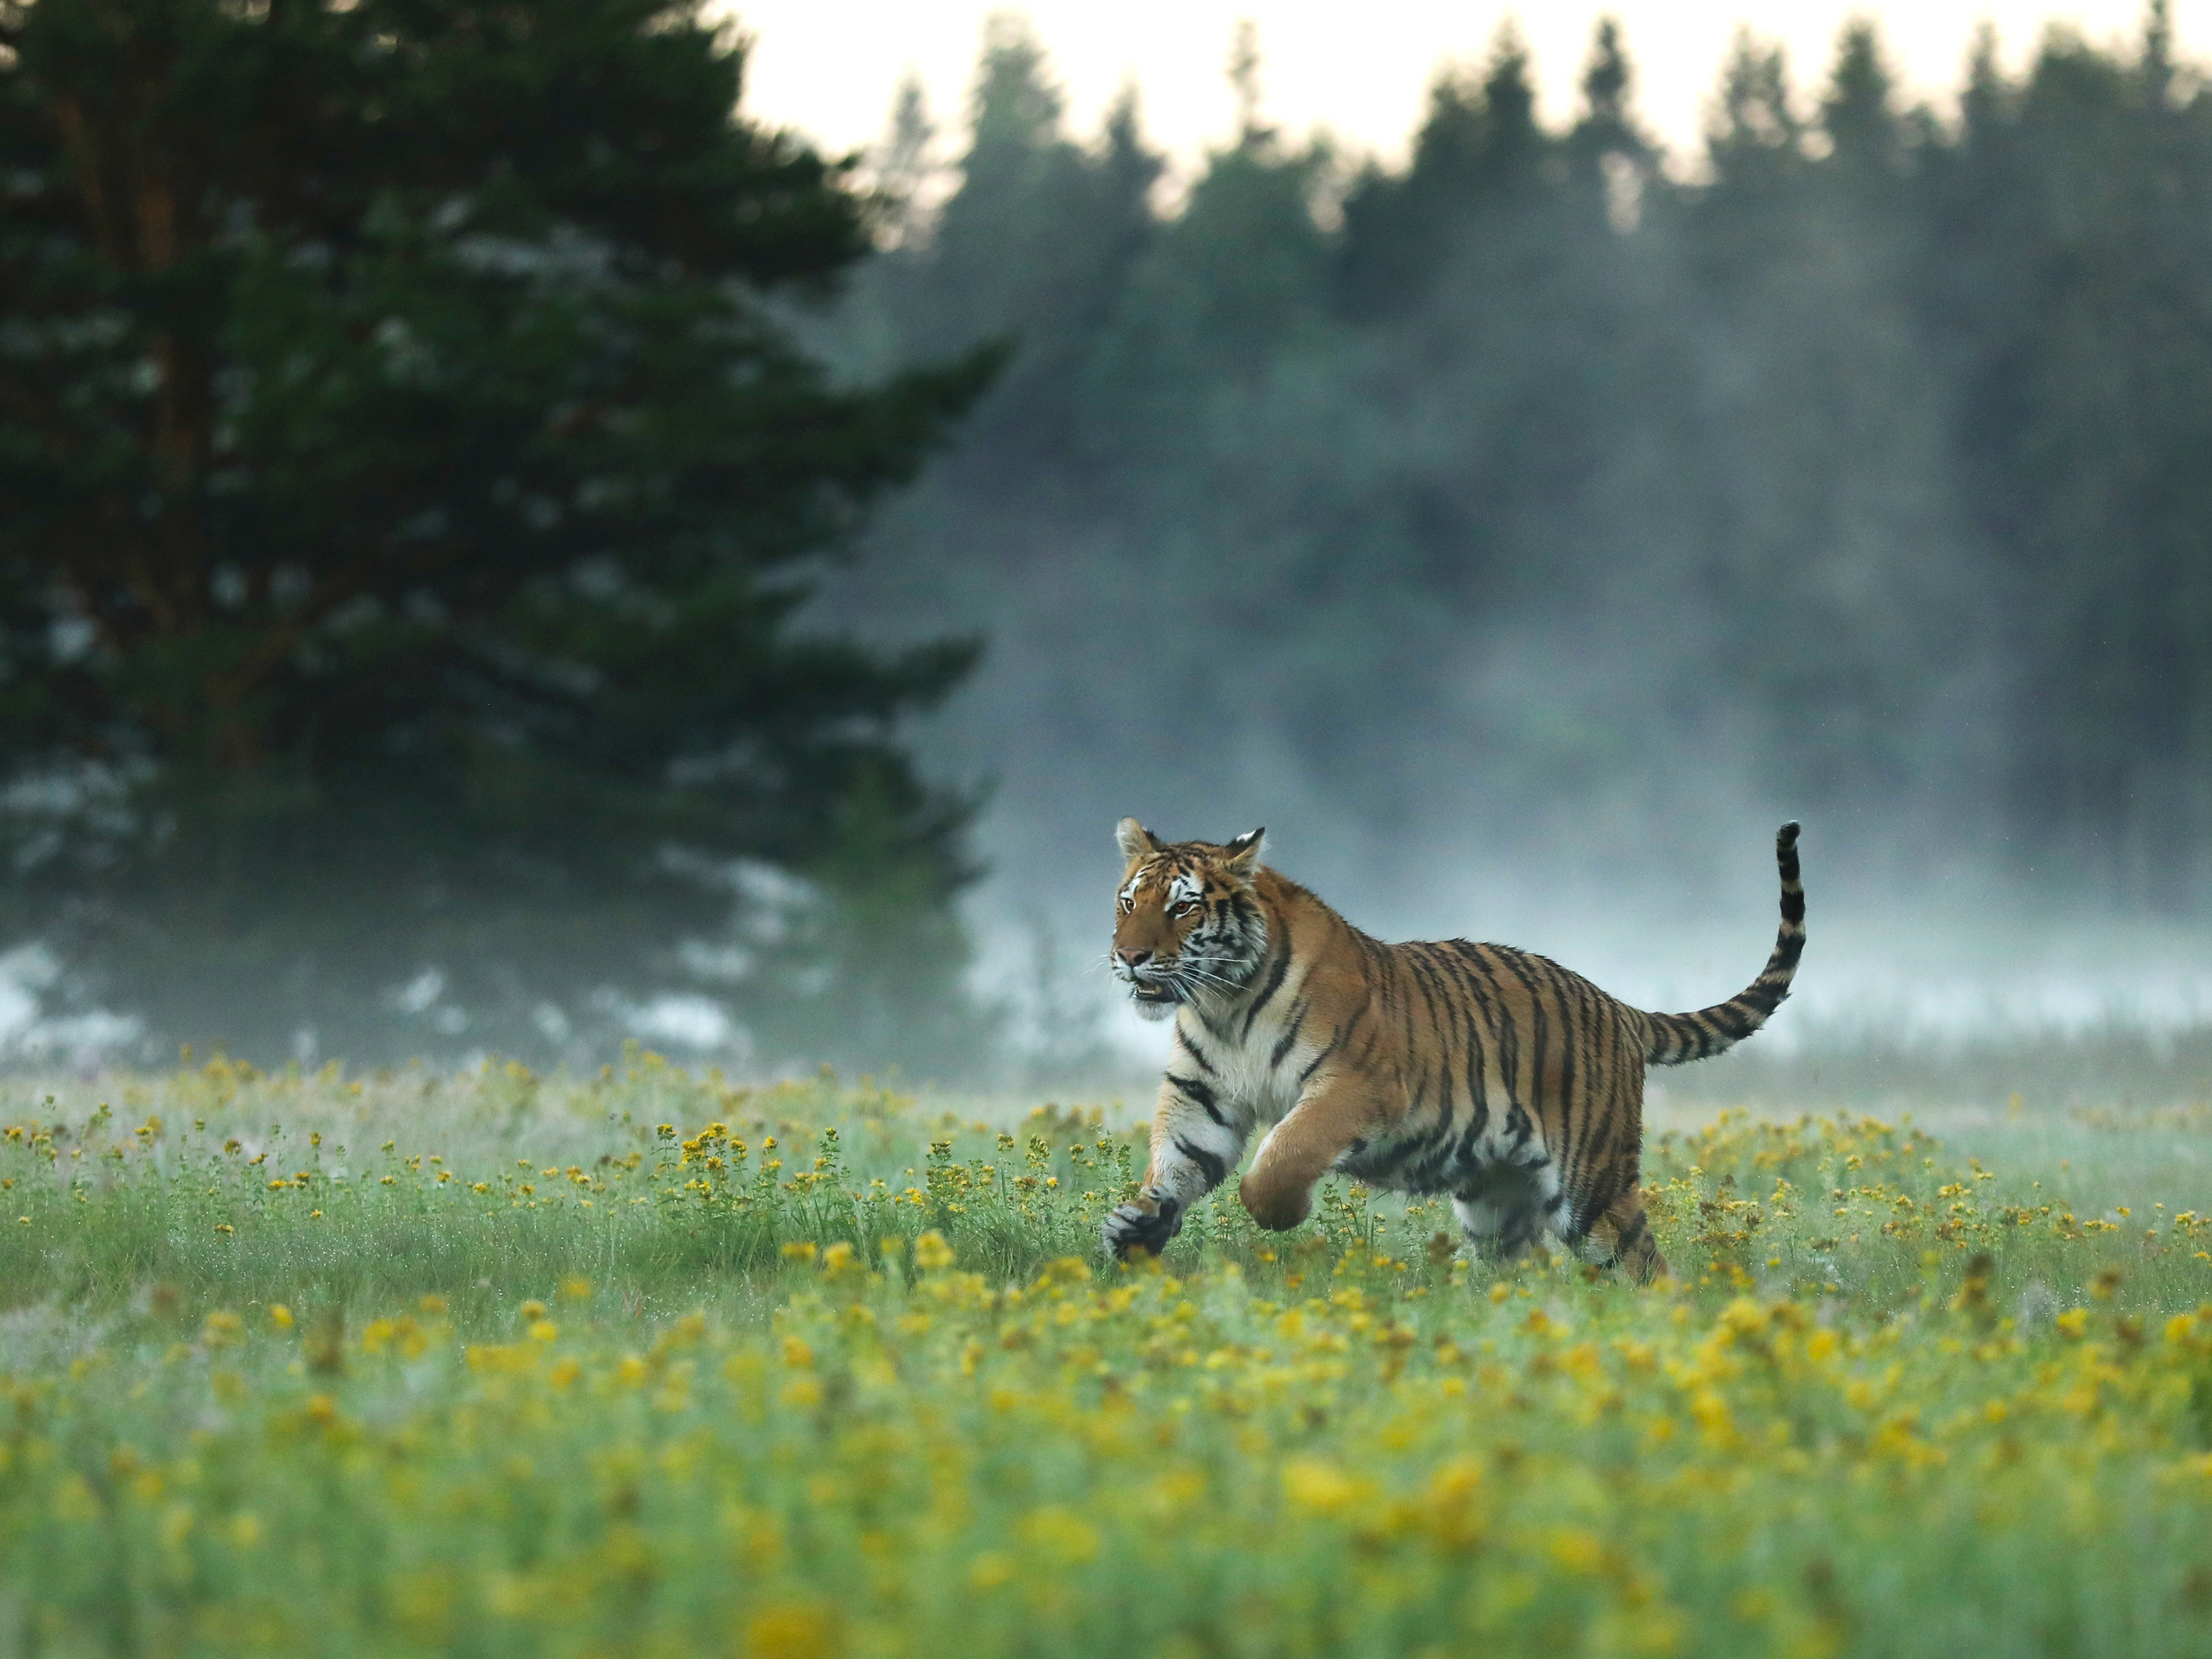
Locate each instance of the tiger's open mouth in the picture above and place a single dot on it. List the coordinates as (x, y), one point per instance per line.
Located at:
(1156, 992)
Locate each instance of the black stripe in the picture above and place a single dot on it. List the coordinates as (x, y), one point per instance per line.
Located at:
(1289, 1039)
(1503, 1025)
(1395, 1154)
(1450, 1033)
(1439, 1166)
(1517, 1124)
(1405, 967)
(1424, 978)
(1266, 992)
(1602, 1092)
(1478, 1021)
(1209, 1165)
(1605, 1105)
(1374, 1041)
(1191, 1049)
(1428, 1157)
(1620, 1067)
(1569, 1040)
(1540, 1020)
(1512, 962)
(1315, 1064)
(1199, 1092)
(1447, 1109)
(1577, 1111)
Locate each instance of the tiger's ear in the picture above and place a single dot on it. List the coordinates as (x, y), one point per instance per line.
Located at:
(1135, 841)
(1242, 858)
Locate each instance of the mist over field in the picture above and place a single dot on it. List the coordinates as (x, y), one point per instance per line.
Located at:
(748, 623)
(1522, 537)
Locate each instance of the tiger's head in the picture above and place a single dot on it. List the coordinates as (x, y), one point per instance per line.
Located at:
(1187, 921)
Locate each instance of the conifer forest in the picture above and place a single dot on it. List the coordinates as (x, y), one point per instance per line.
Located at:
(492, 542)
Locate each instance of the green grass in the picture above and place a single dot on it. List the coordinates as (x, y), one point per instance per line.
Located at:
(496, 1364)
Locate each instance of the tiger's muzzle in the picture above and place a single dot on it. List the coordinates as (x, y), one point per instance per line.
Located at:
(1152, 983)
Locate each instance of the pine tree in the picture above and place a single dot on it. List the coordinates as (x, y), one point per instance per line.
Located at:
(1758, 135)
(1612, 159)
(904, 167)
(1232, 283)
(2075, 288)
(1031, 253)
(1478, 150)
(407, 493)
(1605, 82)
(1856, 115)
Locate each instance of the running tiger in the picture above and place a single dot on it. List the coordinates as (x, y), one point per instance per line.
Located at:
(1477, 1070)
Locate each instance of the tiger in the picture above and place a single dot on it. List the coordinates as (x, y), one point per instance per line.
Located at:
(1487, 1073)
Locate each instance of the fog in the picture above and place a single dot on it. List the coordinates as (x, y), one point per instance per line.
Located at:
(1659, 885)
(1519, 530)
(1522, 537)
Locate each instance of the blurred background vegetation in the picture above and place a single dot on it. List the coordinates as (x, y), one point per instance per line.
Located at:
(408, 484)
(431, 435)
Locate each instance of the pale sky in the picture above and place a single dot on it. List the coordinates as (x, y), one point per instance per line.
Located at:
(1360, 70)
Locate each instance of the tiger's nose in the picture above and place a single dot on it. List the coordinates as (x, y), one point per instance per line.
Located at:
(1133, 958)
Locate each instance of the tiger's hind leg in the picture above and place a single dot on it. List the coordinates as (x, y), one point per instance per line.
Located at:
(1499, 1231)
(1508, 1208)
(1620, 1236)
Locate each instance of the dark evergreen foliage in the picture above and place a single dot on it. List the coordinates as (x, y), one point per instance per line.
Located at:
(408, 480)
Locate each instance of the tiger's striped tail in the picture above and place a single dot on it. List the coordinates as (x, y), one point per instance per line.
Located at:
(1677, 1039)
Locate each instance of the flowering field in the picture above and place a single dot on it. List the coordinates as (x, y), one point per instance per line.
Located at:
(647, 1364)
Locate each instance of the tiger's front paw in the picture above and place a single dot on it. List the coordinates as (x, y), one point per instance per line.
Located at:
(1145, 1224)
(1274, 1205)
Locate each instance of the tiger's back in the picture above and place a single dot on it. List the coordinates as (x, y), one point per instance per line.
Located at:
(1491, 1074)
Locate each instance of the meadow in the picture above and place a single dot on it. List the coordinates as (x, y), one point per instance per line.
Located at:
(648, 1363)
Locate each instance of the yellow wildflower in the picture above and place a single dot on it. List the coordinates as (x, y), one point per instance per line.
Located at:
(990, 1570)
(1316, 1486)
(790, 1631)
(1059, 1534)
(1578, 1550)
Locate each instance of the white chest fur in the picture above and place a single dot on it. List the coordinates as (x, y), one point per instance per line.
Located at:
(1258, 1057)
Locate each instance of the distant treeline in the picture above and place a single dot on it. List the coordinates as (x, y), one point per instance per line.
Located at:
(1878, 455)
(431, 432)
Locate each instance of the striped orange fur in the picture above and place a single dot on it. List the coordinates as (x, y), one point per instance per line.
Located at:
(1488, 1074)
